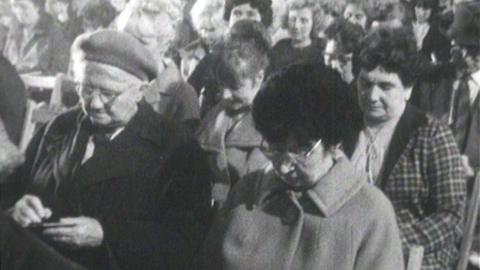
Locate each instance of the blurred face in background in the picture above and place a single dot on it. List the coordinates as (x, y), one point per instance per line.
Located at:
(338, 60)
(244, 12)
(153, 25)
(25, 11)
(471, 57)
(59, 10)
(300, 24)
(422, 14)
(211, 28)
(354, 14)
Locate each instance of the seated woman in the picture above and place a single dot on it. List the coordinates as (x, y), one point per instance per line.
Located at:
(303, 46)
(309, 208)
(226, 134)
(203, 77)
(410, 156)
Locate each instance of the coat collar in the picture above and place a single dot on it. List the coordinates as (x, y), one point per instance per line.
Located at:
(331, 192)
(130, 152)
(408, 125)
(171, 74)
(215, 133)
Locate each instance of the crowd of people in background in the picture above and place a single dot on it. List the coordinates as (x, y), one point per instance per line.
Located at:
(241, 134)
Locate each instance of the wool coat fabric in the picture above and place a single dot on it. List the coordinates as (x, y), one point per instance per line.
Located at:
(149, 219)
(340, 223)
(423, 177)
(231, 147)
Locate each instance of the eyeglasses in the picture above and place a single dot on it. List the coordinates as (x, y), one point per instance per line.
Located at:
(87, 91)
(341, 57)
(276, 155)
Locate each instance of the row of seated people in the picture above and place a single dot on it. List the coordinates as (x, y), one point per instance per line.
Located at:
(295, 169)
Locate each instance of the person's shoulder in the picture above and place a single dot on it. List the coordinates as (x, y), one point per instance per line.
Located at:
(432, 128)
(371, 204)
(283, 44)
(64, 122)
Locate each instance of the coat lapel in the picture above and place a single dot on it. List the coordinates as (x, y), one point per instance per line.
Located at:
(409, 123)
(136, 148)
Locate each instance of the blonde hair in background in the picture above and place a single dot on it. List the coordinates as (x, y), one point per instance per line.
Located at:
(174, 9)
(207, 9)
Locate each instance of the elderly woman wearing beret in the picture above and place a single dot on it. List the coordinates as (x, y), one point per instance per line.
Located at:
(308, 208)
(94, 186)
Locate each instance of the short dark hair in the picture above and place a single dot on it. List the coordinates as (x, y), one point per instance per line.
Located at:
(244, 53)
(392, 48)
(99, 12)
(308, 102)
(427, 4)
(264, 7)
(346, 34)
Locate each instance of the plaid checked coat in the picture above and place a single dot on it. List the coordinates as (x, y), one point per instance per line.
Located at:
(424, 178)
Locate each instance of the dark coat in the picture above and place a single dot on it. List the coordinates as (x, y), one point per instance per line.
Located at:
(13, 100)
(423, 177)
(436, 43)
(151, 219)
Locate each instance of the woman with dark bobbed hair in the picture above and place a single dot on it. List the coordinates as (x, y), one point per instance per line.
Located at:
(308, 208)
(257, 10)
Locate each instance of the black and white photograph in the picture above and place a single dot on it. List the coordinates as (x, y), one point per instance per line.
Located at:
(240, 134)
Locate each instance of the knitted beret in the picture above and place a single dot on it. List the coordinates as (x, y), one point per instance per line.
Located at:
(116, 49)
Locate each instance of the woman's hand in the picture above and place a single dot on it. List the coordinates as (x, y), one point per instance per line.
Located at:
(77, 232)
(29, 209)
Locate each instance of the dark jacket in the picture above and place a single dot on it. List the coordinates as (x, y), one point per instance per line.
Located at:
(436, 43)
(151, 218)
(13, 100)
(284, 54)
(423, 177)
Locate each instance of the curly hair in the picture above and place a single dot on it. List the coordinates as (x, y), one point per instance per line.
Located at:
(304, 101)
(244, 54)
(392, 48)
(313, 5)
(264, 7)
(347, 35)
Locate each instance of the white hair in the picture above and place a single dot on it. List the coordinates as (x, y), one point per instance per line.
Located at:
(206, 9)
(174, 9)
